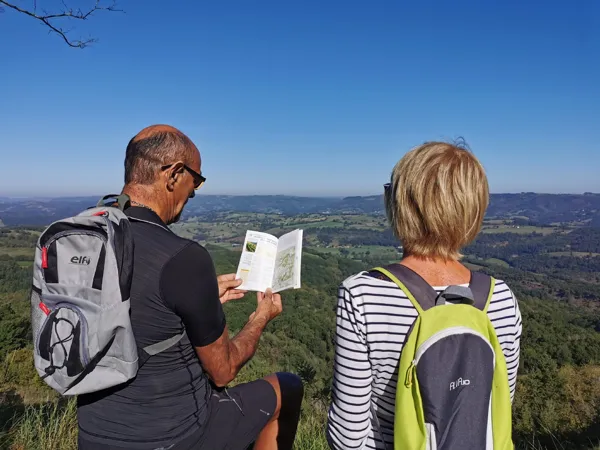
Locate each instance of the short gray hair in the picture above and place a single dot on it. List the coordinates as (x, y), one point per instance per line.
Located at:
(152, 148)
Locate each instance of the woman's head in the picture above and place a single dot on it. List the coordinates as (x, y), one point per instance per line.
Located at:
(437, 199)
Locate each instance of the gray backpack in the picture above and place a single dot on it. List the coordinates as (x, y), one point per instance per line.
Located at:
(80, 302)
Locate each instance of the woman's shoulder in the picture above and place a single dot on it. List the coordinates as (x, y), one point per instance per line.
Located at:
(364, 280)
(503, 299)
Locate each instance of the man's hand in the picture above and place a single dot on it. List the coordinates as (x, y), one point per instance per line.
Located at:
(224, 358)
(269, 306)
(227, 288)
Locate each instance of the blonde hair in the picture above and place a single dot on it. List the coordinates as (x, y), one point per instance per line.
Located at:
(437, 200)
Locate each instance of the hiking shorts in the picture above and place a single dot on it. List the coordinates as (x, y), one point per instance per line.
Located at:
(237, 416)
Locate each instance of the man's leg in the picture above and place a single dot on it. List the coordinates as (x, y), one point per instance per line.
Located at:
(280, 431)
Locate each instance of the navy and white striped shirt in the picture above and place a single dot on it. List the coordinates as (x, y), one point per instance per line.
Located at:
(373, 317)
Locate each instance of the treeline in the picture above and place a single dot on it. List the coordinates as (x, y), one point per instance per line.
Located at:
(546, 263)
(560, 286)
(507, 245)
(487, 245)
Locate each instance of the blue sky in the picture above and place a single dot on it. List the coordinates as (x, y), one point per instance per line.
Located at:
(309, 98)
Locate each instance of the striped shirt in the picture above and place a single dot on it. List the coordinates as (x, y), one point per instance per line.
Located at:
(373, 318)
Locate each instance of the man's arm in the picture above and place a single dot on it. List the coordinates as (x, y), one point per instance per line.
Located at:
(224, 358)
(189, 286)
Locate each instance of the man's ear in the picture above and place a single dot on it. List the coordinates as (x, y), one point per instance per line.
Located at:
(174, 175)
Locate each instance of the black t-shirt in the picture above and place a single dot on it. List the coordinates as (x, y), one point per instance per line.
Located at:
(174, 287)
(188, 285)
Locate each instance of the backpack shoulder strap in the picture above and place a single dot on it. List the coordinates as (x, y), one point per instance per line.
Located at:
(479, 292)
(121, 201)
(482, 287)
(412, 284)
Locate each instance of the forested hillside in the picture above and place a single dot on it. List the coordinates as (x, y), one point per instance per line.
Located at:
(558, 396)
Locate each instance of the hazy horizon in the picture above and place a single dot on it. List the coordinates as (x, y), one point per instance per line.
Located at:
(324, 196)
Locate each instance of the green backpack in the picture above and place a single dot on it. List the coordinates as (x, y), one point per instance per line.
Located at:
(452, 391)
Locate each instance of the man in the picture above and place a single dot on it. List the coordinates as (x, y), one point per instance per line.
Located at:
(172, 403)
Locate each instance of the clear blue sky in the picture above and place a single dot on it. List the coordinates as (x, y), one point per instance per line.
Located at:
(306, 97)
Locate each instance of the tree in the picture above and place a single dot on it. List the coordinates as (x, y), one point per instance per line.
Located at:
(54, 20)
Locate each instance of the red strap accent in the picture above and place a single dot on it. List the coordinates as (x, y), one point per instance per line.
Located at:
(44, 258)
(99, 213)
(44, 308)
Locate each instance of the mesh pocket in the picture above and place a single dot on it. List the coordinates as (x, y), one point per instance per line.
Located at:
(62, 341)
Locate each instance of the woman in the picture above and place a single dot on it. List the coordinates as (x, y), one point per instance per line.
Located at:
(435, 203)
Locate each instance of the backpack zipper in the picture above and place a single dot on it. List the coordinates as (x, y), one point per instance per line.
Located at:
(63, 234)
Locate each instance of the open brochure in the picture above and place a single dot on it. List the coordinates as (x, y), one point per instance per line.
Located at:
(270, 262)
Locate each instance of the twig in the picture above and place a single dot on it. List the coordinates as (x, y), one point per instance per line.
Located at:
(66, 13)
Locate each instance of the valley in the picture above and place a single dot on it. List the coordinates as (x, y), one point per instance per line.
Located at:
(550, 256)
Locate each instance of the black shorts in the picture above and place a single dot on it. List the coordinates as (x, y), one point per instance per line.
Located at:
(237, 416)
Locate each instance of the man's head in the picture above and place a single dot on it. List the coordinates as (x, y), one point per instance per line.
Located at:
(163, 164)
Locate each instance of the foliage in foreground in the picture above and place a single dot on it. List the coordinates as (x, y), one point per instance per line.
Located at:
(557, 405)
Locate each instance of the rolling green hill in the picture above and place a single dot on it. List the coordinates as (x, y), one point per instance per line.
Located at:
(558, 397)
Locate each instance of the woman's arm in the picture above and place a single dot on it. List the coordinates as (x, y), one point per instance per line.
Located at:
(349, 423)
(513, 355)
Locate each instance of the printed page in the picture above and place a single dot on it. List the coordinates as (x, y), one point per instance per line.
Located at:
(288, 262)
(257, 261)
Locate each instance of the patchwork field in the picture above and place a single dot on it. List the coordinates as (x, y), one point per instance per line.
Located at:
(523, 229)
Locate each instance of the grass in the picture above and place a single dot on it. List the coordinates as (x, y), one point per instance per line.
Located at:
(53, 426)
(45, 427)
(17, 251)
(311, 429)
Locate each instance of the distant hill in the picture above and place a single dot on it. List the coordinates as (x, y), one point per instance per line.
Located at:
(530, 207)
(547, 208)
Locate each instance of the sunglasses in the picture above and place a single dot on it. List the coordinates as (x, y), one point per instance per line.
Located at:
(199, 179)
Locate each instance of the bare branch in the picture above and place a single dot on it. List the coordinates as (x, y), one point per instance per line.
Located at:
(66, 13)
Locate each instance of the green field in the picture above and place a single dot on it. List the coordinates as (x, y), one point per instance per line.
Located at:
(357, 222)
(17, 251)
(525, 229)
(497, 261)
(361, 252)
(472, 266)
(575, 254)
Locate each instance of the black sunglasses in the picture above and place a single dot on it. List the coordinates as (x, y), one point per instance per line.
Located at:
(199, 179)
